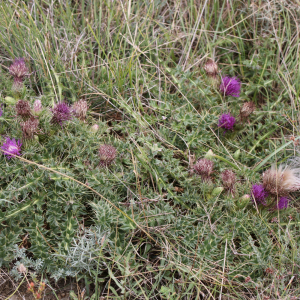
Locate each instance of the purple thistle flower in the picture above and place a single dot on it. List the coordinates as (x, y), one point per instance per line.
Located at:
(227, 121)
(259, 194)
(11, 147)
(230, 86)
(282, 203)
(1, 112)
(61, 113)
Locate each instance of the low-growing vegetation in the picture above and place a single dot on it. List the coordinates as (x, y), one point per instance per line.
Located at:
(149, 149)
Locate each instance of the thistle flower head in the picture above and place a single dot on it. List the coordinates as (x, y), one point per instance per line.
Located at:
(80, 109)
(1, 112)
(204, 167)
(259, 194)
(37, 106)
(23, 109)
(107, 154)
(30, 127)
(282, 180)
(11, 147)
(228, 179)
(227, 121)
(247, 109)
(211, 68)
(61, 113)
(282, 203)
(230, 86)
(18, 68)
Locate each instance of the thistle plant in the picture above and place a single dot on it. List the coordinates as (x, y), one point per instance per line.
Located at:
(226, 121)
(204, 167)
(19, 71)
(11, 147)
(23, 109)
(107, 154)
(228, 180)
(30, 127)
(80, 109)
(259, 194)
(37, 107)
(61, 113)
(230, 86)
(211, 69)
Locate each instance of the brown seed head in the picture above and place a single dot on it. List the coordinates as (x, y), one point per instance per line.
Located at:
(80, 109)
(30, 127)
(204, 168)
(228, 179)
(23, 109)
(107, 155)
(211, 68)
(247, 109)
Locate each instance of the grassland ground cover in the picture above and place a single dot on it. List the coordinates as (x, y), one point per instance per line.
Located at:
(150, 149)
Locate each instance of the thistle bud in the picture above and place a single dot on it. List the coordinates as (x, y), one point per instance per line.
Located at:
(95, 128)
(247, 109)
(236, 154)
(107, 155)
(217, 191)
(80, 109)
(244, 201)
(204, 168)
(37, 107)
(209, 154)
(10, 100)
(23, 109)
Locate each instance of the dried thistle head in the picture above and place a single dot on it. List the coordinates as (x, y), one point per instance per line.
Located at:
(211, 68)
(80, 109)
(107, 154)
(30, 127)
(204, 167)
(23, 109)
(228, 179)
(281, 180)
(247, 109)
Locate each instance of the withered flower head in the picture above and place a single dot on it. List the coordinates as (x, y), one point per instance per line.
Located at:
(228, 179)
(80, 109)
(281, 180)
(247, 109)
(30, 127)
(204, 167)
(107, 154)
(211, 68)
(23, 109)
